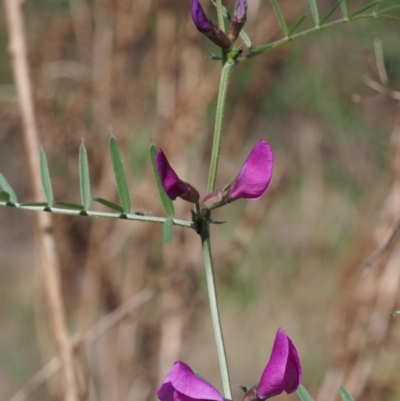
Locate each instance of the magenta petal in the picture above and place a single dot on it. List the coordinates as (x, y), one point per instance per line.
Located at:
(166, 391)
(283, 371)
(203, 24)
(171, 183)
(186, 383)
(255, 175)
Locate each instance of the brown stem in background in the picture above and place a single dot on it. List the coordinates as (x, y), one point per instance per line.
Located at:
(43, 221)
(95, 332)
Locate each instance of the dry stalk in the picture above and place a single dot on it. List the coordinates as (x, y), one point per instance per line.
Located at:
(18, 53)
(95, 332)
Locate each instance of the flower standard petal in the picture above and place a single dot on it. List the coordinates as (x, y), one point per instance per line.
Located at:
(255, 175)
(283, 371)
(185, 382)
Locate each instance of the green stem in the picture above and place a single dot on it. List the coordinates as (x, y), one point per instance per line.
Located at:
(220, 14)
(212, 295)
(219, 117)
(89, 213)
(255, 51)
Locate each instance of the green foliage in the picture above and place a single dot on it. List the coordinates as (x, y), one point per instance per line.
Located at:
(110, 204)
(167, 229)
(363, 9)
(45, 178)
(345, 394)
(303, 394)
(84, 179)
(297, 24)
(119, 174)
(280, 17)
(331, 12)
(6, 192)
(314, 11)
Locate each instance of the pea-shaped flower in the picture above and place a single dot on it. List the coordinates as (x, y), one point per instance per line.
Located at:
(282, 373)
(238, 19)
(181, 384)
(208, 28)
(251, 182)
(172, 184)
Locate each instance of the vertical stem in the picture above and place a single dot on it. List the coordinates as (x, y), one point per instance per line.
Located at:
(212, 295)
(219, 117)
(220, 14)
(52, 286)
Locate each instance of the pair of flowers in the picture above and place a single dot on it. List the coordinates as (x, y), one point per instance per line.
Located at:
(213, 31)
(251, 182)
(282, 373)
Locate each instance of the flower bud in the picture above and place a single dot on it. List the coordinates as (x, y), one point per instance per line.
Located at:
(208, 28)
(238, 19)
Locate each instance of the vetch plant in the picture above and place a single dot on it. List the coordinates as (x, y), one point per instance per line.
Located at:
(283, 371)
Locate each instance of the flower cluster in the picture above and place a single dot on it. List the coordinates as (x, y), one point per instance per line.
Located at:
(251, 182)
(282, 373)
(213, 31)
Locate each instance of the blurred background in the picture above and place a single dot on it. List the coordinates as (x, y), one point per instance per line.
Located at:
(291, 259)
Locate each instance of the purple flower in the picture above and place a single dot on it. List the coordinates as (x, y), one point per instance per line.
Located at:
(282, 373)
(181, 384)
(252, 180)
(238, 19)
(173, 186)
(203, 24)
(208, 28)
(240, 9)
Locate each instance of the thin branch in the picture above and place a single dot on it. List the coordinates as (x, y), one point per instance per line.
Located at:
(49, 265)
(385, 245)
(89, 213)
(380, 62)
(95, 332)
(384, 90)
